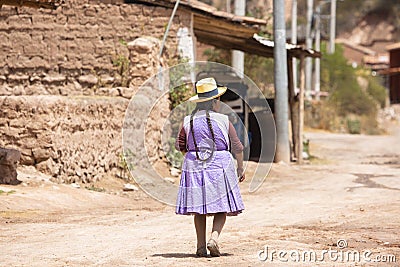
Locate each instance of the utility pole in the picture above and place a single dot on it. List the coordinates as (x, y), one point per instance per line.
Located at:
(317, 48)
(310, 4)
(332, 29)
(238, 56)
(294, 41)
(281, 83)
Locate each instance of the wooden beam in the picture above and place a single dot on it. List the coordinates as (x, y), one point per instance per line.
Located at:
(298, 52)
(389, 71)
(202, 22)
(200, 8)
(293, 108)
(301, 112)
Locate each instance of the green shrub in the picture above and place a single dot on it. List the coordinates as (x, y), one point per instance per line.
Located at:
(180, 94)
(321, 115)
(94, 188)
(376, 90)
(180, 88)
(121, 63)
(353, 125)
(369, 125)
(350, 107)
(222, 56)
(7, 192)
(340, 80)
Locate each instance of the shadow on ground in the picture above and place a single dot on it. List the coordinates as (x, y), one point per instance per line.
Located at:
(184, 255)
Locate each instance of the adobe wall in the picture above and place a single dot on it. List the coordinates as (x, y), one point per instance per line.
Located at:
(78, 49)
(73, 139)
(62, 100)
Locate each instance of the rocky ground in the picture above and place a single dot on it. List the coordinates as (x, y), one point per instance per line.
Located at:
(348, 191)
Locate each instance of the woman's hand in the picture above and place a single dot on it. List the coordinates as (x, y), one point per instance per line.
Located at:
(241, 174)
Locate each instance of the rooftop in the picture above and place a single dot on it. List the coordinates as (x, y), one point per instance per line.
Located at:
(228, 31)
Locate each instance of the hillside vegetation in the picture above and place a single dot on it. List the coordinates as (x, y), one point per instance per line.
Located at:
(354, 97)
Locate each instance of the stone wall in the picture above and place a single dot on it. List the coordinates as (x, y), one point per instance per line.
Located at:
(78, 49)
(66, 77)
(71, 138)
(79, 138)
(9, 159)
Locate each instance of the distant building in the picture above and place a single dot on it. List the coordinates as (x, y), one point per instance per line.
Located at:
(393, 72)
(359, 55)
(366, 43)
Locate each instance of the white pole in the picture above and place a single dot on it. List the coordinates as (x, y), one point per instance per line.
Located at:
(332, 28)
(281, 84)
(308, 81)
(228, 6)
(294, 41)
(238, 56)
(317, 48)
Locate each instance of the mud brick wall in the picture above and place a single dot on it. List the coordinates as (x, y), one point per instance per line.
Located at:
(71, 138)
(75, 138)
(78, 49)
(79, 138)
(63, 91)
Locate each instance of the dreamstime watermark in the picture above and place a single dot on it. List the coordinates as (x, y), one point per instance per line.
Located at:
(340, 254)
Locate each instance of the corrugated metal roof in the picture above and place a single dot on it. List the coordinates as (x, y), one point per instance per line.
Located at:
(204, 9)
(228, 31)
(293, 50)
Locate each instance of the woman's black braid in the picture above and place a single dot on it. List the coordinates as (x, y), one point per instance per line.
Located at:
(191, 130)
(210, 125)
(207, 107)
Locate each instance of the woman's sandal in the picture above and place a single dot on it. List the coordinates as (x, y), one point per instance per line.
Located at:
(201, 252)
(213, 248)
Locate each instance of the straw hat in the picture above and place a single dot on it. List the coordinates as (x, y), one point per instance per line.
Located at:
(207, 89)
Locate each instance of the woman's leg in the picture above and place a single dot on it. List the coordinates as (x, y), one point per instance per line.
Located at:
(218, 224)
(200, 224)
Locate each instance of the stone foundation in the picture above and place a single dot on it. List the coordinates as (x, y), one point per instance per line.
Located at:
(8, 166)
(71, 138)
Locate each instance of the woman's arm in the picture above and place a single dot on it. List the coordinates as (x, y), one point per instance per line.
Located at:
(180, 143)
(240, 170)
(237, 149)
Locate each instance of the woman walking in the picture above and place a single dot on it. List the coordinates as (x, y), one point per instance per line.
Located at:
(209, 180)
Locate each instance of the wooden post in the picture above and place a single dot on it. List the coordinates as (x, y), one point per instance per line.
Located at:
(294, 113)
(246, 126)
(301, 112)
(292, 109)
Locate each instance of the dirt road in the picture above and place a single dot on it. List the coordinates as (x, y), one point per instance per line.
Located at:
(350, 191)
